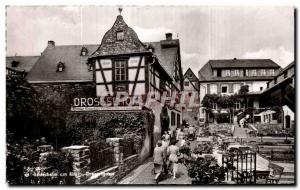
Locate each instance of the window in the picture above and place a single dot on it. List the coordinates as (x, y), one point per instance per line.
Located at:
(226, 73)
(263, 72)
(215, 73)
(275, 80)
(213, 89)
(261, 88)
(214, 106)
(219, 73)
(272, 72)
(178, 120)
(285, 74)
(60, 67)
(120, 35)
(90, 67)
(237, 105)
(14, 63)
(224, 89)
(186, 83)
(120, 70)
(172, 118)
(84, 51)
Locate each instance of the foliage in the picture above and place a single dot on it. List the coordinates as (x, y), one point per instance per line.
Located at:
(205, 171)
(23, 161)
(21, 108)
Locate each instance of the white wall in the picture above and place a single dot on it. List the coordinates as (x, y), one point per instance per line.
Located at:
(288, 111)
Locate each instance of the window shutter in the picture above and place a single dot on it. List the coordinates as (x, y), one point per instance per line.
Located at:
(230, 87)
(208, 88)
(218, 88)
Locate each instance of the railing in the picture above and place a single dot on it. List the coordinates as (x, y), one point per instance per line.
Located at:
(101, 159)
(127, 147)
(241, 167)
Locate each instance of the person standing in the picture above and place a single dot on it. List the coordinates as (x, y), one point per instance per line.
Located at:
(173, 152)
(164, 120)
(191, 132)
(158, 160)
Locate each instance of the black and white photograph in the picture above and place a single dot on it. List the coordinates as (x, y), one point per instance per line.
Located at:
(150, 95)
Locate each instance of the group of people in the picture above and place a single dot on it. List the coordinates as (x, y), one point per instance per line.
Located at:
(167, 151)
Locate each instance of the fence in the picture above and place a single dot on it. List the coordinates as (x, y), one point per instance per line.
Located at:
(241, 167)
(127, 147)
(101, 157)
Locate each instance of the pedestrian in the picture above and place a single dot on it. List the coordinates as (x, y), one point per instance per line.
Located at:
(179, 135)
(173, 152)
(166, 137)
(186, 131)
(191, 132)
(158, 160)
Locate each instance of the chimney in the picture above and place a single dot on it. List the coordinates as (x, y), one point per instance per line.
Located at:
(51, 44)
(168, 36)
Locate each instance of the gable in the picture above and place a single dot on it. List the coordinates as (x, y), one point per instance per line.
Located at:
(129, 44)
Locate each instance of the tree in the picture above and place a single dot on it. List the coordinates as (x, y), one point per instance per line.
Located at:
(243, 93)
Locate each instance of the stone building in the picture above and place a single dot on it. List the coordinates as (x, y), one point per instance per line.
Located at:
(226, 77)
(121, 63)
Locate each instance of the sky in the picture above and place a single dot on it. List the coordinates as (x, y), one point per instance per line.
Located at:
(204, 32)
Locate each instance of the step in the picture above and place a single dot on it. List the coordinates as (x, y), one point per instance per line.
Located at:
(288, 174)
(286, 182)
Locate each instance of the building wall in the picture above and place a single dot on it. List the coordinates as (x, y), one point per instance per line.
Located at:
(108, 68)
(288, 112)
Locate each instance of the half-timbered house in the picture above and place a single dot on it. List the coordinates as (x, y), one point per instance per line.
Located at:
(121, 63)
(191, 88)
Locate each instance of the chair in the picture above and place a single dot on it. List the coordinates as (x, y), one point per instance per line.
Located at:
(275, 173)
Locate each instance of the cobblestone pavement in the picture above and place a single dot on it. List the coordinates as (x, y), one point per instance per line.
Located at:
(144, 174)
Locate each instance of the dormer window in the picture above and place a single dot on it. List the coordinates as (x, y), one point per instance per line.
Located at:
(84, 51)
(60, 67)
(90, 65)
(14, 63)
(120, 36)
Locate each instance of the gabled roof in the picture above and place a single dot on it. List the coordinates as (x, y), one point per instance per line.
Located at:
(191, 75)
(206, 72)
(110, 46)
(76, 68)
(292, 64)
(243, 63)
(166, 54)
(25, 63)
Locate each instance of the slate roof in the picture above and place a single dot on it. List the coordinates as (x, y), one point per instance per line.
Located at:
(25, 63)
(76, 68)
(110, 46)
(206, 73)
(166, 55)
(192, 78)
(243, 63)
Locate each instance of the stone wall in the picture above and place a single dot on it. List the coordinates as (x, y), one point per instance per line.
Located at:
(121, 167)
(81, 162)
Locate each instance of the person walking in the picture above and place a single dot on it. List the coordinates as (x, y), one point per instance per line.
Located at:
(191, 132)
(173, 152)
(158, 160)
